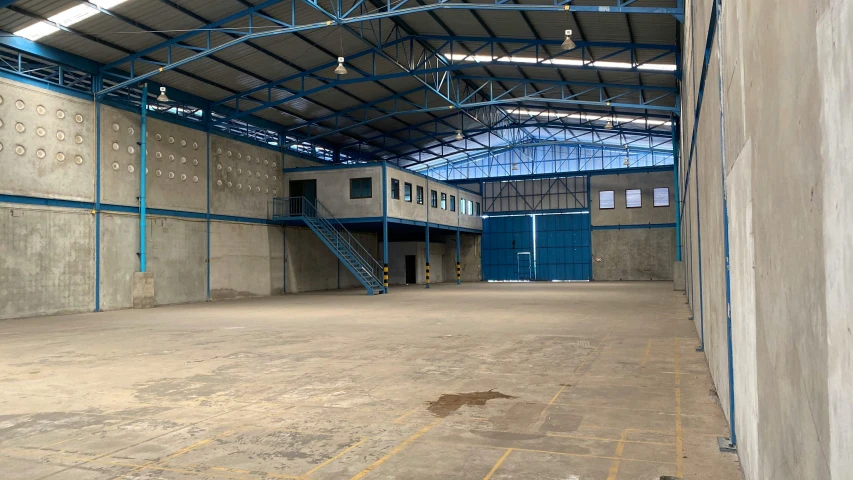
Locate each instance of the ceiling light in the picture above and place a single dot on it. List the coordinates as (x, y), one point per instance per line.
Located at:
(609, 125)
(340, 69)
(515, 166)
(568, 44)
(627, 161)
(459, 135)
(162, 97)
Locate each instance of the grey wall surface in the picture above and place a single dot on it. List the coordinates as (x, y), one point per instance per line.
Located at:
(243, 178)
(46, 261)
(311, 266)
(245, 260)
(632, 253)
(786, 146)
(333, 190)
(412, 211)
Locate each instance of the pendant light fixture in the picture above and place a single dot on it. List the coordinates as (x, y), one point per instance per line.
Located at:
(162, 97)
(340, 69)
(568, 43)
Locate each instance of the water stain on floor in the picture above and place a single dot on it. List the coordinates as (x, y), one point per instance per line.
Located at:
(450, 402)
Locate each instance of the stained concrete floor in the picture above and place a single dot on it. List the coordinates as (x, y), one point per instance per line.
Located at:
(479, 381)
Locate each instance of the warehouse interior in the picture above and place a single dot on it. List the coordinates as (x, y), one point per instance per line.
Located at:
(417, 239)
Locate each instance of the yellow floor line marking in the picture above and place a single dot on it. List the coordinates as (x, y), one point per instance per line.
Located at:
(576, 370)
(575, 405)
(498, 464)
(339, 455)
(550, 452)
(155, 463)
(400, 447)
(400, 419)
(620, 448)
(679, 457)
(646, 356)
(581, 437)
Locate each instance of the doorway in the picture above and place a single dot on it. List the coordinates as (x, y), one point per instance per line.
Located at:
(411, 270)
(302, 188)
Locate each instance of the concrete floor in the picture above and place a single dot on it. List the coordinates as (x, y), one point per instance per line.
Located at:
(479, 381)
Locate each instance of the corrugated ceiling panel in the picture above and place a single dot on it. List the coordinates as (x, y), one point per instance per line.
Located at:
(11, 21)
(461, 22)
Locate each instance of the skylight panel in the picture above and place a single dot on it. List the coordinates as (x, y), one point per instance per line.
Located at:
(65, 18)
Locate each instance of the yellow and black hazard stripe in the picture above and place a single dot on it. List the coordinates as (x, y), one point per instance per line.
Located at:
(385, 275)
(458, 271)
(427, 273)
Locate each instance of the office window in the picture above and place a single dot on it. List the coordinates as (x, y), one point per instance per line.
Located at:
(478, 209)
(443, 201)
(633, 198)
(606, 200)
(420, 195)
(470, 208)
(452, 203)
(361, 187)
(395, 189)
(462, 206)
(433, 198)
(407, 192)
(662, 197)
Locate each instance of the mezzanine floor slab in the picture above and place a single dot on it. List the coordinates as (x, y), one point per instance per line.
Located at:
(480, 381)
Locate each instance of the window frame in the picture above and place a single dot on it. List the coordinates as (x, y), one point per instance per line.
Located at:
(470, 208)
(443, 201)
(395, 182)
(453, 203)
(478, 209)
(654, 197)
(419, 197)
(462, 209)
(407, 187)
(613, 198)
(433, 198)
(640, 197)
(360, 179)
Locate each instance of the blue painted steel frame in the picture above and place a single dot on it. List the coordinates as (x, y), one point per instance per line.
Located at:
(142, 176)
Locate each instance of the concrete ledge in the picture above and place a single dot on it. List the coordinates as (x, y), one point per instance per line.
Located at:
(678, 276)
(143, 289)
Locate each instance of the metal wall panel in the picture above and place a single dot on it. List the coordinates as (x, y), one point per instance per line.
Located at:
(503, 239)
(563, 247)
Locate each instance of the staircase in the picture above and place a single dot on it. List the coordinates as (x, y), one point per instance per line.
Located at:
(331, 232)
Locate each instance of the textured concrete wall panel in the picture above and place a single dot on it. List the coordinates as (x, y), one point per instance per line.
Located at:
(46, 143)
(245, 260)
(243, 178)
(633, 254)
(177, 250)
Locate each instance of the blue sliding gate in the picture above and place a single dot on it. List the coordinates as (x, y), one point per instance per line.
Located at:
(562, 246)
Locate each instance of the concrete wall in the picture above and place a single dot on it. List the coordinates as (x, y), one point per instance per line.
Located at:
(48, 259)
(632, 253)
(333, 190)
(412, 211)
(312, 266)
(442, 264)
(786, 145)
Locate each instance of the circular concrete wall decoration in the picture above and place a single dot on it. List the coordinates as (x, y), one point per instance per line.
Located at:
(273, 164)
(229, 169)
(20, 150)
(239, 171)
(1, 99)
(266, 162)
(266, 190)
(130, 168)
(130, 131)
(195, 179)
(171, 174)
(115, 146)
(78, 139)
(273, 178)
(158, 155)
(183, 143)
(158, 137)
(1, 123)
(60, 135)
(195, 145)
(171, 139)
(60, 157)
(219, 166)
(158, 173)
(257, 189)
(20, 104)
(146, 170)
(184, 177)
(257, 160)
(60, 114)
(116, 127)
(219, 151)
(219, 183)
(171, 157)
(239, 156)
(248, 158)
(229, 184)
(239, 186)
(183, 159)
(40, 153)
(229, 153)
(248, 188)
(266, 176)
(78, 160)
(195, 162)
(115, 166)
(78, 118)
(41, 110)
(20, 127)
(130, 149)
(249, 172)
(258, 174)
(1, 147)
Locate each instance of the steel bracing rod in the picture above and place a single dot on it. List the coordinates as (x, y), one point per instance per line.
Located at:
(430, 64)
(171, 47)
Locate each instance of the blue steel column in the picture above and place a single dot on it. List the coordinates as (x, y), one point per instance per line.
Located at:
(675, 148)
(207, 179)
(385, 225)
(719, 6)
(97, 211)
(458, 239)
(142, 166)
(428, 204)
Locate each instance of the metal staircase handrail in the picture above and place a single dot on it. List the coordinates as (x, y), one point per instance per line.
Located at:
(302, 207)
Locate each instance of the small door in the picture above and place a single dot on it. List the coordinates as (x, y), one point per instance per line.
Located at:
(302, 188)
(411, 270)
